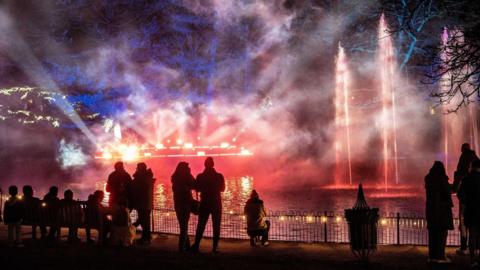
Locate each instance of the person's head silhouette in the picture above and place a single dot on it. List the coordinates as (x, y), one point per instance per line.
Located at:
(141, 167)
(68, 195)
(53, 191)
(118, 166)
(438, 168)
(254, 195)
(182, 169)
(209, 163)
(27, 191)
(465, 147)
(99, 195)
(13, 191)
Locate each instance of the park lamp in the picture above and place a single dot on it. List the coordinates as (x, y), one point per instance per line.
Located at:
(383, 221)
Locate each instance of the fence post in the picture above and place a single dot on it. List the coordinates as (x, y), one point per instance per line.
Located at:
(325, 227)
(398, 228)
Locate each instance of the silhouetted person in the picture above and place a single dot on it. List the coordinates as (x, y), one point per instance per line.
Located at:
(463, 168)
(118, 184)
(182, 185)
(257, 224)
(438, 211)
(91, 204)
(142, 187)
(33, 205)
(68, 201)
(94, 205)
(469, 194)
(210, 184)
(12, 215)
(53, 203)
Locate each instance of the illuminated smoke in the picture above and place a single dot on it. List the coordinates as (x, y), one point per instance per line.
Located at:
(21, 52)
(71, 155)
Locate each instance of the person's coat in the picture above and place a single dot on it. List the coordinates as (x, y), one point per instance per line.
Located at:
(182, 186)
(119, 185)
(142, 187)
(210, 184)
(469, 195)
(439, 202)
(255, 213)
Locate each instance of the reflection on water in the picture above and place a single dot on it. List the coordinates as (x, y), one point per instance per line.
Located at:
(306, 200)
(237, 191)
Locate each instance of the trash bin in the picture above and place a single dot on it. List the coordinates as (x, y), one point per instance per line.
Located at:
(362, 227)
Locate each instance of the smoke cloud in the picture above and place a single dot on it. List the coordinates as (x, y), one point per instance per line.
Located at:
(262, 72)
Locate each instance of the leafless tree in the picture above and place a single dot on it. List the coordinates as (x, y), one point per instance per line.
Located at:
(454, 65)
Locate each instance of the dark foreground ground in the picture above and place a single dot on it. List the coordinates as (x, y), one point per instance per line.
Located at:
(234, 254)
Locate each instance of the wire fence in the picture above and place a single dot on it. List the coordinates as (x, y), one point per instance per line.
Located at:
(328, 227)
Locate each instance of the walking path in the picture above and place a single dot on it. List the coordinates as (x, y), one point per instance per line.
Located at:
(234, 254)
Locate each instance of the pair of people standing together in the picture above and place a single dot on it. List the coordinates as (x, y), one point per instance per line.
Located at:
(210, 184)
(126, 193)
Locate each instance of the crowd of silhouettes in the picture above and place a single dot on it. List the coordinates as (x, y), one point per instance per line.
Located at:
(127, 194)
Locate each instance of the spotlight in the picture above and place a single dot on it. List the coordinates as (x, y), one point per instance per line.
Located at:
(107, 155)
(130, 153)
(224, 145)
(245, 152)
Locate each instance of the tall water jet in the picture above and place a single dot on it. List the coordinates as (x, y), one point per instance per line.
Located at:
(387, 64)
(342, 118)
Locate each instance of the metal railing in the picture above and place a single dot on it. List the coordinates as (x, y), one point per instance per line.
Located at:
(328, 227)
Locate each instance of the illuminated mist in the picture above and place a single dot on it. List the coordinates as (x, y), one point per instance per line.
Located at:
(263, 83)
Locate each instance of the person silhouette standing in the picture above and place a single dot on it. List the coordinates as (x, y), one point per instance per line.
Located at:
(210, 184)
(53, 203)
(142, 187)
(13, 215)
(463, 168)
(469, 195)
(33, 205)
(118, 184)
(182, 185)
(438, 211)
